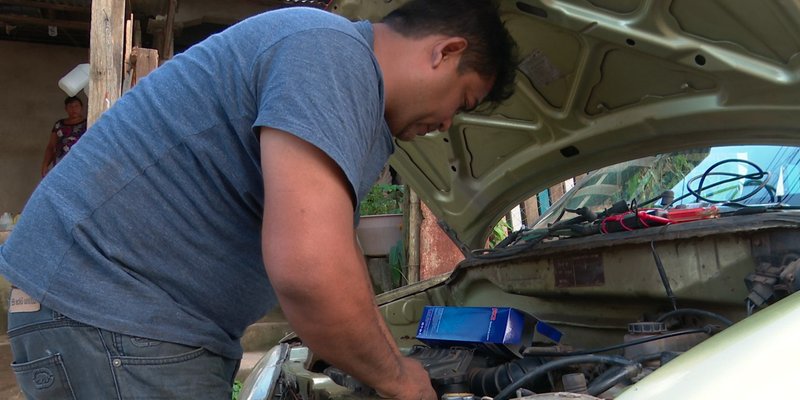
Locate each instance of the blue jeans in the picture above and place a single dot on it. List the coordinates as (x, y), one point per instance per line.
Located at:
(58, 358)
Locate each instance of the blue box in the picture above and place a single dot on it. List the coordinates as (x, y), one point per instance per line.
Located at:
(495, 328)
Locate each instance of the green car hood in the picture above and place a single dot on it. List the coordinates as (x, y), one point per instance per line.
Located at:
(603, 81)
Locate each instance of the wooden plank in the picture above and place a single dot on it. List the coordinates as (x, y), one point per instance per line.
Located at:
(127, 63)
(531, 210)
(128, 40)
(169, 29)
(144, 61)
(105, 55)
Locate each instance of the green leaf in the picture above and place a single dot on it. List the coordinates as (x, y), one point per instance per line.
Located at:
(383, 199)
(237, 388)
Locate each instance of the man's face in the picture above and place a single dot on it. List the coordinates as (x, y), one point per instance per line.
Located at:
(436, 102)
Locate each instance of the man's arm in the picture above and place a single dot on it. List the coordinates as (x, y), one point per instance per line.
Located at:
(318, 271)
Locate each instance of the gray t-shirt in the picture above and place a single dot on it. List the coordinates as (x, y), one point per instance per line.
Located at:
(151, 226)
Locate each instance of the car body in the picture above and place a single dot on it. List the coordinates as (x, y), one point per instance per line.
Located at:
(641, 281)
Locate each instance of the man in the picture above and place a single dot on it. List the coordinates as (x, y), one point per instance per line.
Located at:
(227, 181)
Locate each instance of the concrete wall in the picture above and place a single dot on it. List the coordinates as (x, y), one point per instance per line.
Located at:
(31, 102)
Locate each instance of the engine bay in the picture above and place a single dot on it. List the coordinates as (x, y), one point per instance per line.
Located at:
(629, 286)
(622, 318)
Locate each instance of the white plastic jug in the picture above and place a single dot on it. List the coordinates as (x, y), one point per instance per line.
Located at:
(75, 80)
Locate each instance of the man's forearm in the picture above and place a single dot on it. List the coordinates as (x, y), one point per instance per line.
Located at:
(337, 318)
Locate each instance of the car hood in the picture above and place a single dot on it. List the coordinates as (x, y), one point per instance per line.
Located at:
(603, 81)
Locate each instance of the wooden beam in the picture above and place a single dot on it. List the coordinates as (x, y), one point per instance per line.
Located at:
(144, 61)
(127, 63)
(106, 46)
(137, 33)
(414, 221)
(47, 6)
(128, 40)
(25, 20)
(169, 29)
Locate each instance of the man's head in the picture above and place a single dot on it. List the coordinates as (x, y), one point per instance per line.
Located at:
(490, 49)
(468, 57)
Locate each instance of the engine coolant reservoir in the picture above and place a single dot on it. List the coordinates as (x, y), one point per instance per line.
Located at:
(640, 330)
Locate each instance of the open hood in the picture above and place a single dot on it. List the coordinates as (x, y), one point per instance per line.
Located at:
(603, 81)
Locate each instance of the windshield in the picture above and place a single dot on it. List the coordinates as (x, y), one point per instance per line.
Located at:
(742, 175)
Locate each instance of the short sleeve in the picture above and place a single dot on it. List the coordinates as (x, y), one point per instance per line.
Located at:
(324, 86)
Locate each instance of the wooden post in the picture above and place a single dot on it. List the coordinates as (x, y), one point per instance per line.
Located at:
(414, 220)
(556, 191)
(106, 47)
(531, 210)
(127, 64)
(169, 28)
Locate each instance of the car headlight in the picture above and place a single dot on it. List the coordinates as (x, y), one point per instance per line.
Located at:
(260, 384)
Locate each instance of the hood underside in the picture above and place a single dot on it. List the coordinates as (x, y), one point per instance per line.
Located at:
(604, 81)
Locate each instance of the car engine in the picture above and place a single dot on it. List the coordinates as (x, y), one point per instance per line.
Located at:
(629, 288)
(621, 316)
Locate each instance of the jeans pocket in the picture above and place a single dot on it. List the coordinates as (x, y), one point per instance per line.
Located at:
(44, 378)
(154, 369)
(145, 351)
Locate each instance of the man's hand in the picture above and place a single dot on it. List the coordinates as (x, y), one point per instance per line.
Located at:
(318, 271)
(415, 383)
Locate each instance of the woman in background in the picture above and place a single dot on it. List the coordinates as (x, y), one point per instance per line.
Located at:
(65, 134)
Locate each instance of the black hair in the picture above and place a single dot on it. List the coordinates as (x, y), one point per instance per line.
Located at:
(491, 52)
(71, 99)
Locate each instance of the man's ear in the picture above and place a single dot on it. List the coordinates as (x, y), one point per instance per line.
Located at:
(448, 49)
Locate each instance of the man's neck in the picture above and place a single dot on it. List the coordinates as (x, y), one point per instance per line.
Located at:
(388, 44)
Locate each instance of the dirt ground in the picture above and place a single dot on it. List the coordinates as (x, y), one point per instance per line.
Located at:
(8, 385)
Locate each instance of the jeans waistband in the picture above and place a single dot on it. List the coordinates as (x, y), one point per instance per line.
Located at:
(17, 321)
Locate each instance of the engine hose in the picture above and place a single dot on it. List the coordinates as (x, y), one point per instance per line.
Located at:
(489, 381)
(553, 365)
(612, 377)
(616, 374)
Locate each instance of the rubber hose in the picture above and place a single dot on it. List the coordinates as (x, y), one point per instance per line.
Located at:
(537, 372)
(490, 381)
